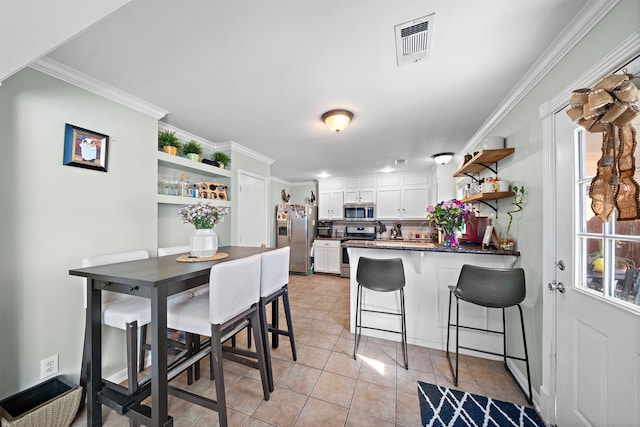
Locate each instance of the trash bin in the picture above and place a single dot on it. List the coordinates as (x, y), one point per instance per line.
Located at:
(52, 403)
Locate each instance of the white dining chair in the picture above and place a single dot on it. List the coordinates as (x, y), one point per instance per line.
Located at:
(126, 312)
(184, 249)
(175, 343)
(230, 306)
(274, 284)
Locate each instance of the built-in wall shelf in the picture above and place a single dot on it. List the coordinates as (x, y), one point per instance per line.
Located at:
(483, 160)
(190, 166)
(179, 200)
(179, 165)
(486, 197)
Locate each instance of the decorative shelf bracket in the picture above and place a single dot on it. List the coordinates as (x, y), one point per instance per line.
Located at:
(472, 176)
(490, 168)
(495, 208)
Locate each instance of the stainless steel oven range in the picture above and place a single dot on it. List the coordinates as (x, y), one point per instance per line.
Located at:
(354, 233)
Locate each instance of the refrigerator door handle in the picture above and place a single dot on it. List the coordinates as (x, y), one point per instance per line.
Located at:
(289, 230)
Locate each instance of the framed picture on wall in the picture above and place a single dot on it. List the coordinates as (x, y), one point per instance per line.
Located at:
(85, 148)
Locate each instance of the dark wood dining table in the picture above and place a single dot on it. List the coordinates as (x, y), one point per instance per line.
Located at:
(156, 279)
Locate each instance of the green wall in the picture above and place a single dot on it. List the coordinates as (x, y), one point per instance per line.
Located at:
(53, 215)
(522, 129)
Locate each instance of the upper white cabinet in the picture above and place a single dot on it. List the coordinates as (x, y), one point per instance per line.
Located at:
(330, 205)
(389, 205)
(415, 202)
(330, 184)
(359, 190)
(402, 196)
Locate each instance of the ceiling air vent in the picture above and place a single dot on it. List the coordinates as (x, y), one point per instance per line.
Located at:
(413, 40)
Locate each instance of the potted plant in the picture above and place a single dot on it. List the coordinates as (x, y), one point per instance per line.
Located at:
(221, 158)
(507, 241)
(168, 142)
(192, 150)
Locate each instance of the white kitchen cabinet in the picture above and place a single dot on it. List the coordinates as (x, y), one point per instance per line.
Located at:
(408, 202)
(330, 205)
(359, 190)
(330, 184)
(389, 203)
(327, 256)
(415, 202)
(360, 196)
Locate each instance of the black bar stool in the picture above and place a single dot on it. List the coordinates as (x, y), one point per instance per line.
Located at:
(381, 275)
(492, 288)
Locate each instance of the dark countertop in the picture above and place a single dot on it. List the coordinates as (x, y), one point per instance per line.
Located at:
(413, 245)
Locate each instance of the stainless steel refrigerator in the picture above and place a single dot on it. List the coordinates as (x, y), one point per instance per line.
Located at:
(295, 227)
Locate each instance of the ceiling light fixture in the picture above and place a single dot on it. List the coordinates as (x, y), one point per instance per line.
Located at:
(337, 120)
(443, 158)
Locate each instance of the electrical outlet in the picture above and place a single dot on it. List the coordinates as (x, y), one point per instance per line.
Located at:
(49, 366)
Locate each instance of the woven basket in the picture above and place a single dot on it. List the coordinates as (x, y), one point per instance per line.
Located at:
(57, 411)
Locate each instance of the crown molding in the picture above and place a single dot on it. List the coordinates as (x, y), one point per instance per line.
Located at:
(293, 184)
(234, 146)
(614, 60)
(72, 76)
(584, 22)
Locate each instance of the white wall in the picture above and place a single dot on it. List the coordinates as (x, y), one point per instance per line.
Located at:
(301, 193)
(52, 215)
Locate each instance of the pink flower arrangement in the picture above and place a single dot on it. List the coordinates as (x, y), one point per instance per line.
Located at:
(451, 215)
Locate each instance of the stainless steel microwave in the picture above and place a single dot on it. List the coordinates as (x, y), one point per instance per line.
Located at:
(359, 211)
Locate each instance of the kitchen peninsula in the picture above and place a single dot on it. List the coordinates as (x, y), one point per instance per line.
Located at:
(429, 271)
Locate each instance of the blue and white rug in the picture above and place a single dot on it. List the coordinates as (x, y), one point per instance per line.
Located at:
(441, 406)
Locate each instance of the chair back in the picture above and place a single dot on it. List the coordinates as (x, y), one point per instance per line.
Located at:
(174, 250)
(234, 286)
(491, 287)
(112, 259)
(274, 270)
(381, 275)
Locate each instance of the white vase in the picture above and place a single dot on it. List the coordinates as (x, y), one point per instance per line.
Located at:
(204, 242)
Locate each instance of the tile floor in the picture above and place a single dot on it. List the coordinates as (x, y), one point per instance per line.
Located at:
(326, 386)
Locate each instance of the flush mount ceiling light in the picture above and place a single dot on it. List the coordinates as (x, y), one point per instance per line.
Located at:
(337, 120)
(443, 158)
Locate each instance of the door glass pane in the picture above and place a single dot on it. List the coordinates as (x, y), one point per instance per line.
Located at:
(593, 254)
(590, 223)
(592, 153)
(627, 279)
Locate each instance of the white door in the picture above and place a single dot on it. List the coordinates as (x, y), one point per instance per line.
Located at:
(597, 320)
(252, 209)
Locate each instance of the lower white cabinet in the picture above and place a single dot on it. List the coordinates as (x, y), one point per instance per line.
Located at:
(327, 256)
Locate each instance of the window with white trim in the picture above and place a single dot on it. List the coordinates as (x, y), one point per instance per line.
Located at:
(609, 252)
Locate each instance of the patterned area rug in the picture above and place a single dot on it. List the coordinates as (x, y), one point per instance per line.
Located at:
(441, 406)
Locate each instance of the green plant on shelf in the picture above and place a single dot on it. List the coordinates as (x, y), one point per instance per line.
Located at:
(168, 139)
(221, 158)
(518, 198)
(192, 147)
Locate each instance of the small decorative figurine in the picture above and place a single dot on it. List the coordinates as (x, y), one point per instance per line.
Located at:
(285, 196)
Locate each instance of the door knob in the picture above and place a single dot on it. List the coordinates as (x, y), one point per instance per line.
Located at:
(553, 286)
